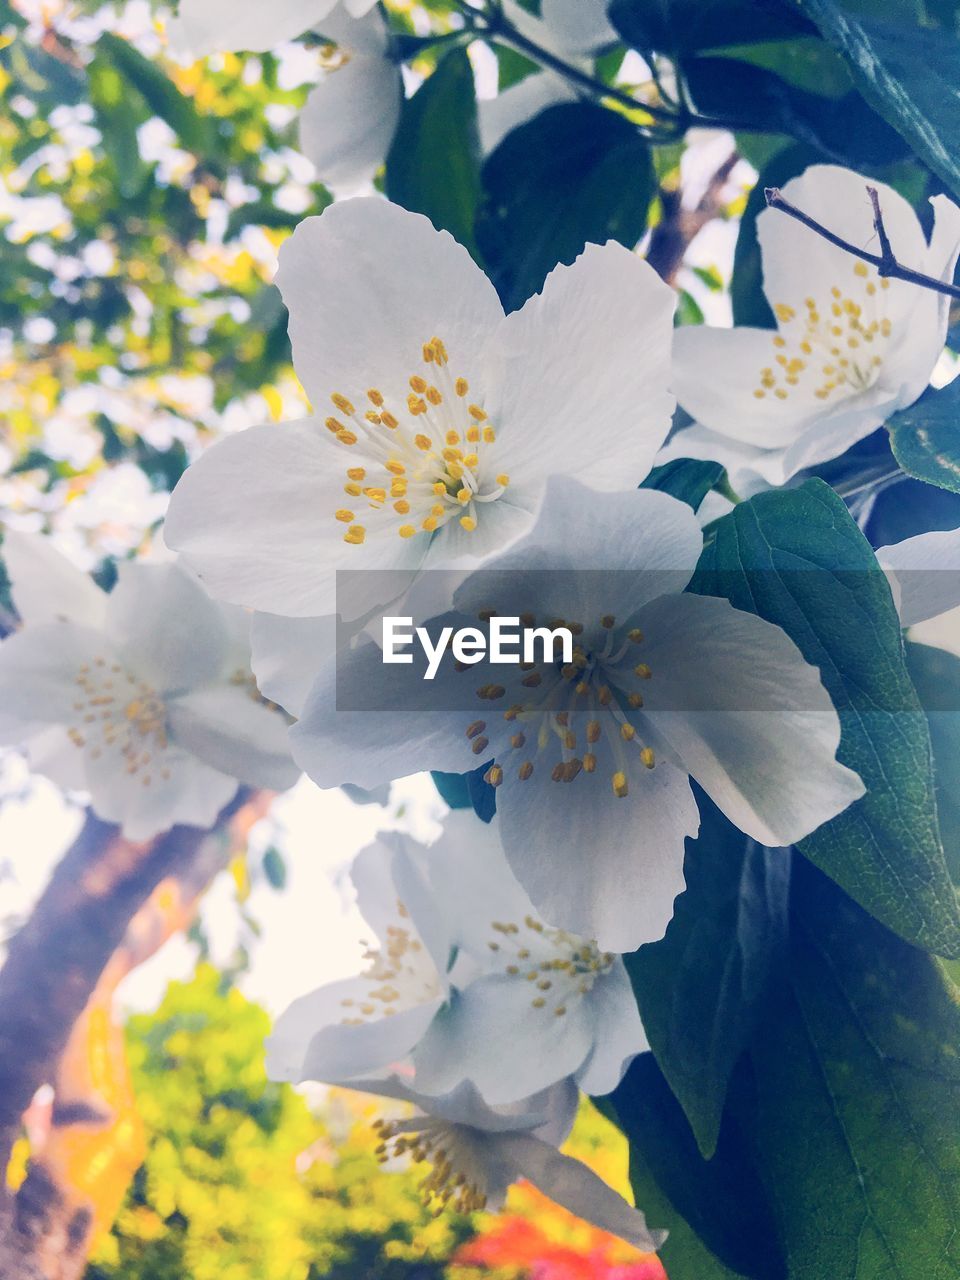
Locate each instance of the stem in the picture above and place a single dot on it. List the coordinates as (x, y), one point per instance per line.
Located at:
(885, 261)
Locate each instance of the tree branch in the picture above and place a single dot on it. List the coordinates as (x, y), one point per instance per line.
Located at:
(53, 966)
(885, 261)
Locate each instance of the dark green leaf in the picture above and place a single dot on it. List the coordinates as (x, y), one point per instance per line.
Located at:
(798, 559)
(118, 122)
(908, 72)
(433, 166)
(936, 677)
(857, 1078)
(468, 791)
(676, 25)
(575, 174)
(194, 132)
(688, 479)
(699, 988)
(275, 868)
(926, 438)
(750, 306)
(721, 1199)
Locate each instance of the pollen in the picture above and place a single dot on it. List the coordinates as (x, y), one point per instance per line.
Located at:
(355, 535)
(344, 516)
(406, 531)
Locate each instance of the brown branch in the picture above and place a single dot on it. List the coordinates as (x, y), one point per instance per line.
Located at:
(53, 967)
(885, 261)
(677, 227)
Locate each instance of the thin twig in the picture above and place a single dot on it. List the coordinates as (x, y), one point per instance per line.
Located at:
(885, 261)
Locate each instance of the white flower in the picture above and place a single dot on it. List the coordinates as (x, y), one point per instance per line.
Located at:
(465, 983)
(202, 27)
(349, 119)
(477, 1152)
(439, 419)
(924, 574)
(849, 349)
(142, 697)
(571, 30)
(591, 761)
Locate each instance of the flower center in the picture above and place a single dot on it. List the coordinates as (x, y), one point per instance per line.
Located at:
(427, 462)
(399, 975)
(456, 1175)
(840, 346)
(572, 710)
(561, 967)
(117, 711)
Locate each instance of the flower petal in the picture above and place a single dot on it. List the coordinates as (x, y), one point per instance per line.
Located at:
(46, 586)
(38, 674)
(492, 1035)
(618, 1034)
(734, 698)
(927, 573)
(367, 284)
(166, 627)
(203, 27)
(571, 1184)
(144, 804)
(279, 549)
(288, 653)
(561, 366)
(228, 728)
(312, 1040)
(593, 863)
(349, 119)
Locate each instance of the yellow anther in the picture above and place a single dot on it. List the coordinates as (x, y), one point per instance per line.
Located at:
(433, 396)
(759, 393)
(439, 350)
(619, 782)
(642, 671)
(810, 304)
(389, 420)
(589, 762)
(394, 466)
(503, 479)
(407, 531)
(353, 490)
(344, 516)
(423, 443)
(635, 700)
(473, 435)
(784, 313)
(418, 384)
(885, 326)
(471, 461)
(355, 534)
(416, 405)
(356, 473)
(647, 758)
(780, 393)
(475, 729)
(334, 425)
(779, 342)
(860, 269)
(593, 731)
(452, 438)
(402, 507)
(375, 494)
(525, 771)
(372, 418)
(517, 740)
(479, 746)
(635, 635)
(806, 348)
(627, 732)
(462, 386)
(489, 435)
(475, 412)
(452, 455)
(464, 496)
(342, 403)
(429, 524)
(836, 292)
(375, 397)
(346, 437)
(437, 509)
(494, 775)
(468, 523)
(398, 489)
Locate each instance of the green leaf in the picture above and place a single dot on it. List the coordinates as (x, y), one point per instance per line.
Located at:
(575, 174)
(721, 1199)
(699, 988)
(433, 166)
(194, 131)
(936, 678)
(673, 26)
(750, 306)
(688, 479)
(909, 73)
(797, 558)
(857, 1118)
(925, 438)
